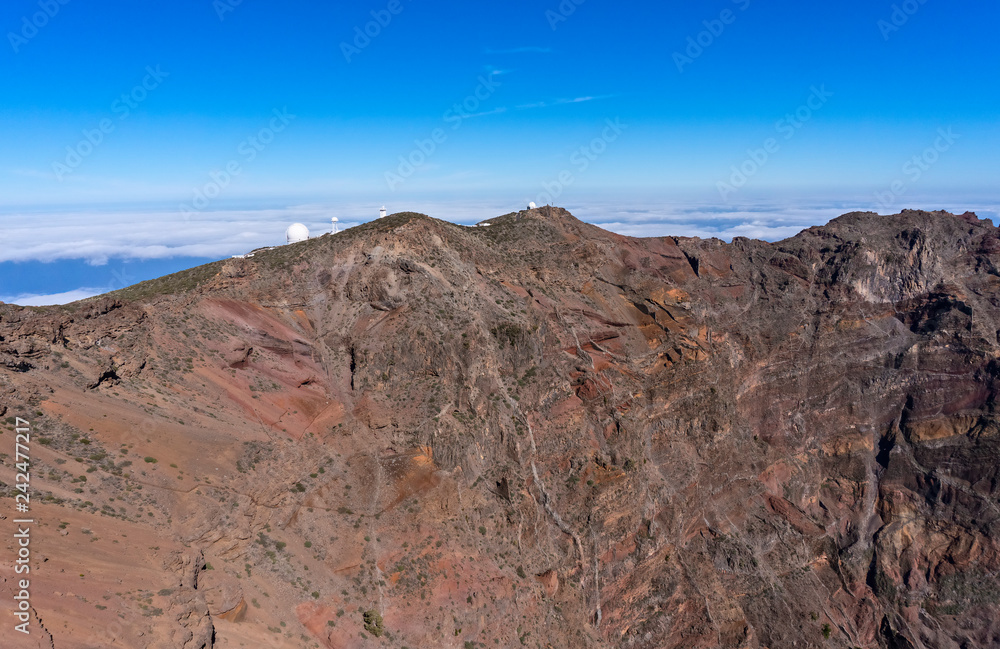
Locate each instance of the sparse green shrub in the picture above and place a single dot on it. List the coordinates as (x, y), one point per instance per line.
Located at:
(373, 623)
(509, 333)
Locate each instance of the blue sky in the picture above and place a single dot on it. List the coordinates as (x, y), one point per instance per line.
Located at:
(147, 137)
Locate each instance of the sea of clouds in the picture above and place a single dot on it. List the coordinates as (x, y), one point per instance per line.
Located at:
(101, 236)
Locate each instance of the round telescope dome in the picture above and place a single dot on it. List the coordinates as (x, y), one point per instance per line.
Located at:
(296, 232)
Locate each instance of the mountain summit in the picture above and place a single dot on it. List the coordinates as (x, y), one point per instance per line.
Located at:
(529, 433)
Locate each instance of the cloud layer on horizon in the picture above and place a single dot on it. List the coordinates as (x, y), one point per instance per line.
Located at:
(133, 234)
(65, 297)
(98, 237)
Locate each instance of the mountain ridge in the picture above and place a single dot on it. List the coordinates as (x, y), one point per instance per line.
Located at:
(582, 438)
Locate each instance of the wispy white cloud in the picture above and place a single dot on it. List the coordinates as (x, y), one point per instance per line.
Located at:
(528, 49)
(53, 298)
(495, 111)
(561, 102)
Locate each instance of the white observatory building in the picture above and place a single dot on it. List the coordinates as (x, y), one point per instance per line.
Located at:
(334, 229)
(381, 212)
(296, 232)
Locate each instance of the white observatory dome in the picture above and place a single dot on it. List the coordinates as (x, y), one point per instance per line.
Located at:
(296, 232)
(532, 205)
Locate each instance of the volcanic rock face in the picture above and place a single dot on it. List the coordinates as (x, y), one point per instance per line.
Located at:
(535, 433)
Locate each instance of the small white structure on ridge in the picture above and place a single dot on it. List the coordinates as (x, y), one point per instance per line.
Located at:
(335, 229)
(532, 205)
(381, 212)
(296, 232)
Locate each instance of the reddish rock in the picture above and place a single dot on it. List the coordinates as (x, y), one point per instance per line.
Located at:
(550, 582)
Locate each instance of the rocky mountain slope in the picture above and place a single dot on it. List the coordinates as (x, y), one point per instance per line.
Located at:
(532, 433)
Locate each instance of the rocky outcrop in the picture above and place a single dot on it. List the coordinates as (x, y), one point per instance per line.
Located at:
(192, 626)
